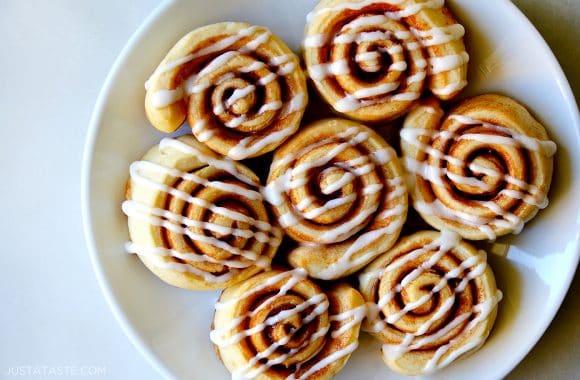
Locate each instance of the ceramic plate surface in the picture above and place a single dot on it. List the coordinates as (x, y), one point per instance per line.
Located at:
(171, 326)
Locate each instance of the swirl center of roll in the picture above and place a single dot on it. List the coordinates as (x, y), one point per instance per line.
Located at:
(230, 225)
(237, 95)
(370, 57)
(374, 53)
(242, 91)
(331, 185)
(420, 289)
(332, 182)
(481, 166)
(422, 298)
(290, 326)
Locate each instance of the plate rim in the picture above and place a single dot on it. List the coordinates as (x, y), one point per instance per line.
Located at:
(87, 160)
(89, 150)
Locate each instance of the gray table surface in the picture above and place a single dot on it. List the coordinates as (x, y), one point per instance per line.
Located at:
(54, 58)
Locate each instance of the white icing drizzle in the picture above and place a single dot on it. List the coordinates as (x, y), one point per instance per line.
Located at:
(357, 31)
(261, 362)
(347, 134)
(346, 5)
(218, 46)
(282, 65)
(365, 21)
(318, 72)
(295, 104)
(355, 315)
(293, 178)
(294, 276)
(546, 147)
(136, 168)
(447, 62)
(158, 216)
(162, 257)
(156, 255)
(165, 220)
(380, 89)
(314, 41)
(240, 93)
(348, 38)
(163, 98)
(275, 189)
(222, 163)
(319, 301)
(346, 228)
(414, 8)
(468, 270)
(439, 35)
(483, 310)
(527, 193)
(251, 371)
(407, 11)
(253, 144)
(200, 258)
(336, 355)
(253, 44)
(236, 216)
(450, 88)
(329, 205)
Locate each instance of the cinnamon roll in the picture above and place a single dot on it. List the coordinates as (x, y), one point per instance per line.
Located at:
(196, 220)
(372, 59)
(483, 170)
(280, 325)
(431, 299)
(240, 87)
(337, 188)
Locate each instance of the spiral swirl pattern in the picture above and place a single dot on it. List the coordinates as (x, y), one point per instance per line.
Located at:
(483, 170)
(432, 298)
(280, 325)
(337, 187)
(196, 220)
(240, 87)
(371, 59)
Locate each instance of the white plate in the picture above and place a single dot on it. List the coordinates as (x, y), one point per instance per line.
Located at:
(170, 326)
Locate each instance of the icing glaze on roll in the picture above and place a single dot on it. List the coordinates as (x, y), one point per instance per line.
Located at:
(371, 59)
(430, 299)
(482, 171)
(197, 220)
(240, 87)
(280, 325)
(337, 188)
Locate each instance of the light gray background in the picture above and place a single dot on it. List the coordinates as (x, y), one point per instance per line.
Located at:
(54, 56)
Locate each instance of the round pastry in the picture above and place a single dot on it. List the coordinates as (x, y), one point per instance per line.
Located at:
(196, 220)
(483, 170)
(280, 325)
(241, 88)
(337, 188)
(432, 298)
(371, 59)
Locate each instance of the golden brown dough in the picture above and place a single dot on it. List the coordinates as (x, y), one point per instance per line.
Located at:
(371, 59)
(337, 188)
(280, 325)
(432, 299)
(482, 170)
(197, 220)
(240, 87)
